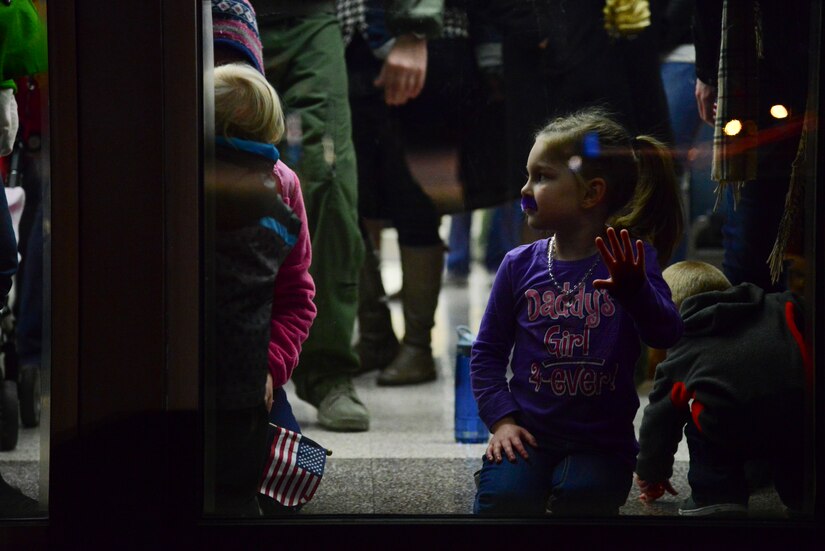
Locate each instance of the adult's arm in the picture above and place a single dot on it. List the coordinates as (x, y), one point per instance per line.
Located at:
(411, 23)
(424, 18)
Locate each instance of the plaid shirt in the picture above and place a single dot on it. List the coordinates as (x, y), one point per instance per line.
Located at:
(352, 15)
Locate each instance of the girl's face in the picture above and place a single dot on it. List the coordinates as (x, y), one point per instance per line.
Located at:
(554, 189)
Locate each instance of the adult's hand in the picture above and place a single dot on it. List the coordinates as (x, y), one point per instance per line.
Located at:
(404, 70)
(9, 121)
(706, 101)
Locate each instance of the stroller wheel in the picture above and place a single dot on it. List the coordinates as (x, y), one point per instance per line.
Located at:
(9, 416)
(28, 391)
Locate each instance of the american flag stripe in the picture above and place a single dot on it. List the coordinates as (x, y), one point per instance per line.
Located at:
(293, 495)
(276, 460)
(316, 480)
(288, 483)
(281, 462)
(287, 460)
(270, 465)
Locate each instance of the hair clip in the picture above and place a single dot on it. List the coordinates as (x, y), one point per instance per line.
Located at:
(590, 145)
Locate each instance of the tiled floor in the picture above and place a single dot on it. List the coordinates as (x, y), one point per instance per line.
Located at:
(408, 463)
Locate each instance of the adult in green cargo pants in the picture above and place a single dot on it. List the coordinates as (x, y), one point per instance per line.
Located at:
(304, 60)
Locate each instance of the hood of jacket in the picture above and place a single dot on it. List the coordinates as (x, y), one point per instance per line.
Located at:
(716, 312)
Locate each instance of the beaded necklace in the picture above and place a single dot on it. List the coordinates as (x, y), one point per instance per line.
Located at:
(568, 296)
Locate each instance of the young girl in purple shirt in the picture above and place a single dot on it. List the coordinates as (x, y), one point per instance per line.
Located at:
(572, 309)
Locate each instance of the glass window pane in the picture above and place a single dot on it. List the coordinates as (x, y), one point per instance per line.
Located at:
(428, 145)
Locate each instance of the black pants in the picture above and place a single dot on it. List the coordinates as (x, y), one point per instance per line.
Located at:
(240, 451)
(717, 473)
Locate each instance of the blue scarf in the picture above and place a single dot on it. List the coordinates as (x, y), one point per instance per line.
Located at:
(266, 150)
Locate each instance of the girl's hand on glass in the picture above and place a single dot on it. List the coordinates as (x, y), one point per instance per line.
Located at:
(508, 438)
(627, 273)
(651, 491)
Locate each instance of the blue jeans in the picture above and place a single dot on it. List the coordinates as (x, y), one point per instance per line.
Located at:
(505, 235)
(750, 230)
(689, 132)
(576, 482)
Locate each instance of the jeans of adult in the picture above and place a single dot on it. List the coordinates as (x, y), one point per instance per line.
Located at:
(504, 235)
(689, 132)
(562, 478)
(304, 60)
(751, 224)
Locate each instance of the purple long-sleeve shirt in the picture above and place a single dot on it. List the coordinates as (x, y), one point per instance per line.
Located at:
(572, 366)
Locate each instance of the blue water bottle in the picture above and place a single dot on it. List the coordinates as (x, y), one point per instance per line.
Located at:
(468, 427)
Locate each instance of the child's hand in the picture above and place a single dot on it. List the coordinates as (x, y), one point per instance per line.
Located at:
(268, 393)
(627, 274)
(651, 491)
(507, 435)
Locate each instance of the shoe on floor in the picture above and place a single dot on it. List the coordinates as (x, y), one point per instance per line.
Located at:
(690, 508)
(341, 410)
(412, 365)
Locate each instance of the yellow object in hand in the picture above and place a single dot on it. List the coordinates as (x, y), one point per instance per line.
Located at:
(626, 18)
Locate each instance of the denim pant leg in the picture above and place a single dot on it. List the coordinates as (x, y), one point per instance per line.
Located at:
(458, 257)
(505, 234)
(590, 484)
(715, 475)
(750, 230)
(515, 489)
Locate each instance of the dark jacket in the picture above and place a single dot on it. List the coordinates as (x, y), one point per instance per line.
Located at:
(737, 374)
(247, 260)
(783, 69)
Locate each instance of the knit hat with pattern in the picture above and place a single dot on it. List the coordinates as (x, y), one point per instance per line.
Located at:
(234, 24)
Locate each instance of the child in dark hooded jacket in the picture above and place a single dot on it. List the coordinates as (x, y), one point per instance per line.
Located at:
(735, 383)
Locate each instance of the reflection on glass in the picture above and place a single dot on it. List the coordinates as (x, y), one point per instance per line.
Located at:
(24, 243)
(441, 160)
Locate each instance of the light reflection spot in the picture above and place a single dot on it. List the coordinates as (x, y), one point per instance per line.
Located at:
(733, 127)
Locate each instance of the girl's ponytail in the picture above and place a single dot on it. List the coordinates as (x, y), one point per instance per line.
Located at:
(655, 210)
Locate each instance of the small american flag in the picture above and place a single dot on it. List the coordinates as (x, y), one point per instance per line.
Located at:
(294, 468)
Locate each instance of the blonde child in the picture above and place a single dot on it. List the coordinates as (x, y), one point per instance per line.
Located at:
(572, 310)
(735, 386)
(264, 293)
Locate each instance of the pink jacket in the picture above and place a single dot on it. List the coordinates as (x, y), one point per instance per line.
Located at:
(292, 308)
